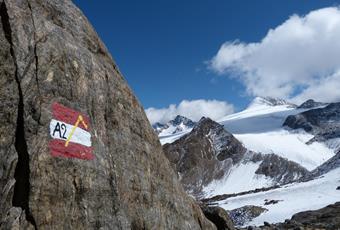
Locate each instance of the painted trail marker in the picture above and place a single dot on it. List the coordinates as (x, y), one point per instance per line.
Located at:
(70, 134)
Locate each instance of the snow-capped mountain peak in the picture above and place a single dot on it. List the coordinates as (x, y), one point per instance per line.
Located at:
(178, 126)
(181, 120)
(269, 101)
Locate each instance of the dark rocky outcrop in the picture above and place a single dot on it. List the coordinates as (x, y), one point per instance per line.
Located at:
(309, 104)
(324, 122)
(219, 217)
(50, 53)
(244, 214)
(203, 155)
(269, 202)
(159, 127)
(280, 169)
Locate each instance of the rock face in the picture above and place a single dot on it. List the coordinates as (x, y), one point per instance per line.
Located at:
(203, 155)
(51, 54)
(324, 122)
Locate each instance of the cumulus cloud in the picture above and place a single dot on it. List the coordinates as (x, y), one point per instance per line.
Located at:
(297, 60)
(194, 110)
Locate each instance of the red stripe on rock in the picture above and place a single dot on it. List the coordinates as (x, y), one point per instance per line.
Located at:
(69, 116)
(73, 150)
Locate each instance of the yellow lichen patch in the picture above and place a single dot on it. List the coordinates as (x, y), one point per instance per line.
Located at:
(50, 76)
(75, 64)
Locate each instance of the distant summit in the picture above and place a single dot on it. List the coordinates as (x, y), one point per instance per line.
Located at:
(270, 101)
(177, 125)
(310, 104)
(182, 120)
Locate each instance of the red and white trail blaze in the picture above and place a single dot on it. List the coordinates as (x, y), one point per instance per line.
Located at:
(70, 134)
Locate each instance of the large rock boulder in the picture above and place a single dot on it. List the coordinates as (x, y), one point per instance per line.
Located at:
(53, 65)
(219, 217)
(243, 215)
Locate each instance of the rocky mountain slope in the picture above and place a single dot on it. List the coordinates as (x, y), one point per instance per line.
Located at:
(310, 104)
(328, 166)
(259, 128)
(211, 161)
(112, 173)
(203, 155)
(261, 178)
(323, 123)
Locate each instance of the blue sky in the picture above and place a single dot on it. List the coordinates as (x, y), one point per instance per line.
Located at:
(162, 46)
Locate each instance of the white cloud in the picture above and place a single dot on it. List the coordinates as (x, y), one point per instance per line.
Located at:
(297, 60)
(194, 110)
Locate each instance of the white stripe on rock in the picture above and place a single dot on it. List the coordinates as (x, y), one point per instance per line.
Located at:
(61, 130)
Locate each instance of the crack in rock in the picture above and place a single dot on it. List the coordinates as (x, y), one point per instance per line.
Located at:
(22, 170)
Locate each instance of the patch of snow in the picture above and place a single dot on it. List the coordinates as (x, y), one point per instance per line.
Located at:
(241, 178)
(296, 197)
(169, 137)
(290, 145)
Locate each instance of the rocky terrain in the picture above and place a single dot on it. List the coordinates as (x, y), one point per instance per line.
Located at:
(50, 55)
(323, 123)
(261, 183)
(244, 214)
(203, 155)
(209, 153)
(281, 170)
(53, 65)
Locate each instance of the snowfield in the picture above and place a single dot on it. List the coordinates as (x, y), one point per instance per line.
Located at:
(241, 178)
(290, 145)
(296, 197)
(259, 128)
(169, 137)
